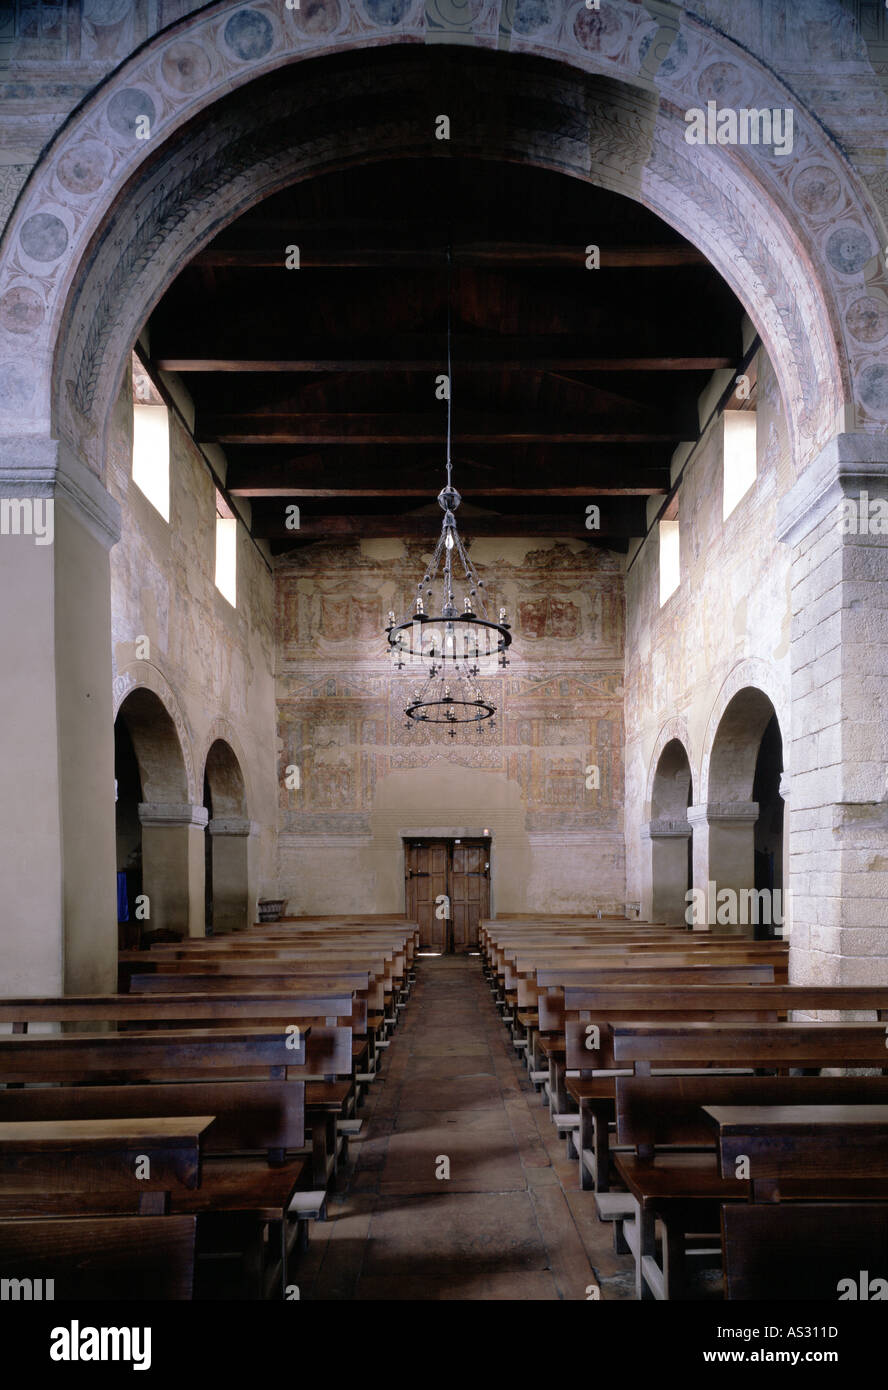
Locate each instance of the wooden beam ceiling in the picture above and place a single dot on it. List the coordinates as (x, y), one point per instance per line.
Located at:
(508, 361)
(316, 254)
(571, 386)
(618, 524)
(426, 428)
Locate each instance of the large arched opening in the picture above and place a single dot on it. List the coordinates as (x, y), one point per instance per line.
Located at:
(107, 220)
(226, 900)
(671, 837)
(745, 817)
(155, 824)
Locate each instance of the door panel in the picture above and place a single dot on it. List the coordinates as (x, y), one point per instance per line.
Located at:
(469, 892)
(460, 872)
(426, 870)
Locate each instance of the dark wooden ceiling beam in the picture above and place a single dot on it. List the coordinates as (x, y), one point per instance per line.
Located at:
(296, 365)
(343, 479)
(282, 490)
(392, 429)
(621, 524)
(315, 252)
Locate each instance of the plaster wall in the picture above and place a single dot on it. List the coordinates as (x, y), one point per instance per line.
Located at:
(209, 663)
(726, 626)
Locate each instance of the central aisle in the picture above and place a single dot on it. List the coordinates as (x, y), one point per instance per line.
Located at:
(509, 1222)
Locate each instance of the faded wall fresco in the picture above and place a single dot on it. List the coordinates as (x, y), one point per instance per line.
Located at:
(560, 702)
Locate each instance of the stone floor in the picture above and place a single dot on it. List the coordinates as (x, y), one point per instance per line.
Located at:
(509, 1222)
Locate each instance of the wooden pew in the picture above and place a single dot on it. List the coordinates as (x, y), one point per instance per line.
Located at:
(84, 1166)
(791, 1148)
(144, 1258)
(643, 1046)
(522, 981)
(146, 1056)
(666, 976)
(584, 1007)
(158, 1008)
(683, 1179)
(98, 1155)
(237, 1195)
(323, 1059)
(274, 976)
(251, 1199)
(368, 1009)
(813, 1249)
(807, 1250)
(672, 1171)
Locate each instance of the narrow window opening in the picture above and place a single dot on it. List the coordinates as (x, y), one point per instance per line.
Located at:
(226, 550)
(739, 457)
(670, 568)
(151, 441)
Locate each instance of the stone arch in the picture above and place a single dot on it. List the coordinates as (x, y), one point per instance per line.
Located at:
(229, 125)
(141, 675)
(674, 730)
(222, 771)
(738, 737)
(157, 746)
(226, 863)
(240, 795)
(758, 677)
(159, 865)
(743, 762)
(673, 783)
(670, 866)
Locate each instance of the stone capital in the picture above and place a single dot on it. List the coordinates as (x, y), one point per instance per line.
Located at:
(230, 825)
(36, 466)
(784, 785)
(662, 829)
(724, 813)
(169, 814)
(844, 466)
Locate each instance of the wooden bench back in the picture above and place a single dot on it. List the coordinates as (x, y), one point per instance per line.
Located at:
(553, 984)
(102, 1153)
(160, 1009)
(596, 1000)
(643, 1045)
(818, 1142)
(242, 983)
(661, 1110)
(192, 1053)
(108, 1258)
(582, 1054)
(250, 1116)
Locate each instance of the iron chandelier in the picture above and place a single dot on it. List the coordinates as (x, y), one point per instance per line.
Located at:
(452, 645)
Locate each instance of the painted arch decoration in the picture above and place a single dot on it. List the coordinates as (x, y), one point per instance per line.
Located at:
(797, 239)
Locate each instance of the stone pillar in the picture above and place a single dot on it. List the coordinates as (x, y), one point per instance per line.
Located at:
(231, 901)
(668, 871)
(58, 917)
(724, 855)
(786, 903)
(835, 519)
(173, 866)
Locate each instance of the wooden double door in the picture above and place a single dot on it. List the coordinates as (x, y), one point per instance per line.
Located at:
(448, 891)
